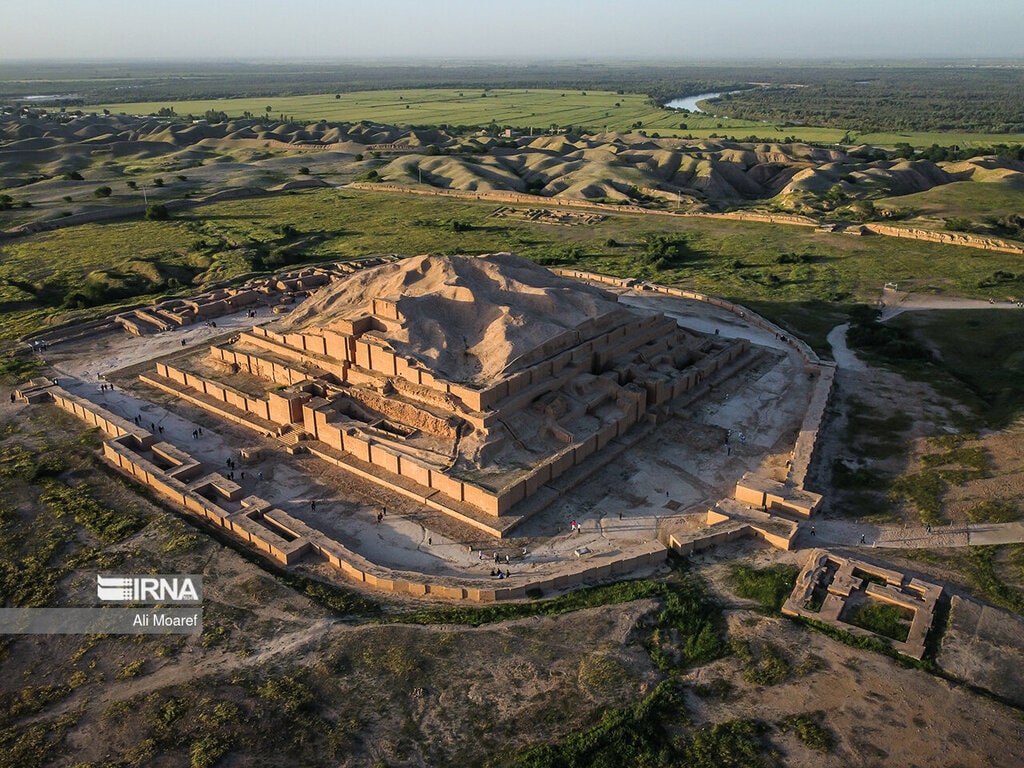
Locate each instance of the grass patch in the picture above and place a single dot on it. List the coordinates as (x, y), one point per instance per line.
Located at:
(884, 619)
(924, 490)
(809, 729)
(592, 597)
(32, 746)
(979, 351)
(767, 668)
(482, 106)
(131, 669)
(869, 643)
(771, 668)
(636, 735)
(975, 458)
(955, 466)
(770, 586)
(981, 566)
(994, 511)
(106, 524)
(645, 734)
(737, 743)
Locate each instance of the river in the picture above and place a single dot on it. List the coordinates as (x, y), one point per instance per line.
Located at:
(690, 102)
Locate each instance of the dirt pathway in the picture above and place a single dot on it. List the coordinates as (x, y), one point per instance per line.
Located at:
(896, 303)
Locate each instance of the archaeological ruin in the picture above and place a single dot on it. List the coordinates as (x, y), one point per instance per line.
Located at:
(485, 390)
(467, 383)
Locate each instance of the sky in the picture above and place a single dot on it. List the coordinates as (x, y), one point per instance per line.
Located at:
(681, 30)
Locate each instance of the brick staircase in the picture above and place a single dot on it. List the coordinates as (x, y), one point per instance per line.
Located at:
(292, 440)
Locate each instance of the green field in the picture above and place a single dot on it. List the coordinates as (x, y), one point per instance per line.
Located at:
(740, 260)
(962, 199)
(525, 109)
(980, 350)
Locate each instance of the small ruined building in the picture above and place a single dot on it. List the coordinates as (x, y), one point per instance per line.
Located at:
(832, 589)
(482, 387)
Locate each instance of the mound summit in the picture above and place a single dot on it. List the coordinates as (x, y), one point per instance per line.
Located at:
(468, 320)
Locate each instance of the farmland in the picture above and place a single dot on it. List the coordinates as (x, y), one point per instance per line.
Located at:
(529, 109)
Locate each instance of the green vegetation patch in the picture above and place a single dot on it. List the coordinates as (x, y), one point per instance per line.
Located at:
(925, 491)
(884, 619)
(105, 523)
(765, 667)
(636, 735)
(33, 745)
(688, 626)
(733, 744)
(770, 586)
(47, 275)
(994, 511)
(809, 729)
(985, 567)
(980, 351)
(645, 734)
(954, 466)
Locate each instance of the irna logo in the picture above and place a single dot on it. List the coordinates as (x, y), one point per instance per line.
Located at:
(150, 589)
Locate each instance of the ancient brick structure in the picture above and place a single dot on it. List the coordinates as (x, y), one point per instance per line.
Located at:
(467, 383)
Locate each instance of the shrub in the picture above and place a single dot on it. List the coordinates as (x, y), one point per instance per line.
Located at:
(807, 727)
(130, 670)
(733, 743)
(771, 669)
(156, 212)
(959, 224)
(207, 750)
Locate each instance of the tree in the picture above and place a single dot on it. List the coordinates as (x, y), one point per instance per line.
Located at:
(103, 191)
(304, 170)
(835, 195)
(72, 176)
(158, 182)
(133, 185)
(665, 251)
(156, 212)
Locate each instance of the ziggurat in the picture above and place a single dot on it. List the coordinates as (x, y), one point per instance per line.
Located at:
(478, 386)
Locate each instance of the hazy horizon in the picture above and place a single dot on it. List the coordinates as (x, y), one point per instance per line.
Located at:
(664, 30)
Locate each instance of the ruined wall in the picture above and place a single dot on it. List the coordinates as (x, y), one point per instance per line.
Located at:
(240, 400)
(111, 424)
(258, 366)
(949, 238)
(403, 413)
